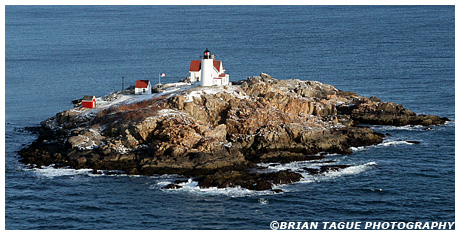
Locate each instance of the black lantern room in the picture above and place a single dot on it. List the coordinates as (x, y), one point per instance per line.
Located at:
(207, 54)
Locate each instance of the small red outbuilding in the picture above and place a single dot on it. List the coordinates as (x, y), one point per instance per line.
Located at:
(89, 101)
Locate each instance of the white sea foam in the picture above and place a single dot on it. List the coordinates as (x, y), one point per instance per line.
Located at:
(165, 176)
(352, 170)
(450, 123)
(192, 187)
(356, 149)
(405, 127)
(294, 166)
(263, 201)
(163, 183)
(51, 172)
(395, 142)
(385, 143)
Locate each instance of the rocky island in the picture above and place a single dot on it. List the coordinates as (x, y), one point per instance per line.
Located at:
(217, 135)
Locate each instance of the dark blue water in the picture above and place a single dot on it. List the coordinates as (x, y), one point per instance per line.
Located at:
(405, 54)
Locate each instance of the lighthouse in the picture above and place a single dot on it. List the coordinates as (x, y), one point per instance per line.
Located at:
(207, 69)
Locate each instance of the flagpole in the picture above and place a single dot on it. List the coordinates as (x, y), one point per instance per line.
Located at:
(159, 78)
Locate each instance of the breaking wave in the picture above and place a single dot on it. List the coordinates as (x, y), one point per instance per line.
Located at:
(51, 172)
(192, 187)
(307, 177)
(385, 143)
(398, 142)
(330, 175)
(409, 127)
(405, 127)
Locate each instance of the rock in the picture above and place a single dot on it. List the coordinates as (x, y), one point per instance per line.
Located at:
(286, 157)
(370, 111)
(86, 140)
(413, 142)
(81, 160)
(133, 171)
(312, 171)
(172, 186)
(332, 168)
(77, 102)
(220, 132)
(282, 177)
(252, 181)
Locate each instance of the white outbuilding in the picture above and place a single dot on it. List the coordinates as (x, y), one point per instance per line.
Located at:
(143, 87)
(208, 71)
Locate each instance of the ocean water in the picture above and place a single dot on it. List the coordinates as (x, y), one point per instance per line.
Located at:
(404, 54)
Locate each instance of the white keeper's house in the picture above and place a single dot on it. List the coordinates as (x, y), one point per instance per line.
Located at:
(208, 71)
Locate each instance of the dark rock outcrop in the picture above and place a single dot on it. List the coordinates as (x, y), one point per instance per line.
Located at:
(247, 180)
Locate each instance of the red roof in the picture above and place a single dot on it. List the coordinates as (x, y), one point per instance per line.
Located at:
(196, 65)
(142, 83)
(216, 64)
(222, 75)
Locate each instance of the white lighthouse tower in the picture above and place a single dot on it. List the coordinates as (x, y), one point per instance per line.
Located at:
(207, 69)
